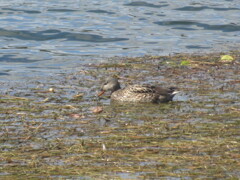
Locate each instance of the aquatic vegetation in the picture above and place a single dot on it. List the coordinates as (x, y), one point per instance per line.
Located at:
(226, 58)
(59, 128)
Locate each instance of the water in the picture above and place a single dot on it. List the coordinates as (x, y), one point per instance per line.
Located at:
(44, 37)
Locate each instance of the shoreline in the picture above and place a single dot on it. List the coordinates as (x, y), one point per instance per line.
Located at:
(21, 76)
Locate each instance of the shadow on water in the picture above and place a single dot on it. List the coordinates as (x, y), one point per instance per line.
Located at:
(223, 28)
(12, 10)
(99, 11)
(145, 4)
(193, 8)
(61, 10)
(197, 47)
(4, 74)
(56, 34)
(14, 59)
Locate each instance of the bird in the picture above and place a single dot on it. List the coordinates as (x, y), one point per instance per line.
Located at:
(137, 93)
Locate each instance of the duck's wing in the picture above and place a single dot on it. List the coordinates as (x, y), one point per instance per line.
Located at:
(162, 91)
(141, 89)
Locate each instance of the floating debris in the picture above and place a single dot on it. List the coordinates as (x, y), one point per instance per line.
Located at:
(97, 109)
(226, 58)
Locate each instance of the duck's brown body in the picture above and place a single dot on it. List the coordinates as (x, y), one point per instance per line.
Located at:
(138, 93)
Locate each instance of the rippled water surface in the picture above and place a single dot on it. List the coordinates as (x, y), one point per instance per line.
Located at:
(41, 37)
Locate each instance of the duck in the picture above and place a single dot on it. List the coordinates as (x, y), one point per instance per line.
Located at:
(137, 93)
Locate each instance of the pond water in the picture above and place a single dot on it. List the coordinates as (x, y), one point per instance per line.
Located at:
(55, 54)
(43, 37)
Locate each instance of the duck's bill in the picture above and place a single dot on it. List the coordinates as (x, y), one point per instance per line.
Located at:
(175, 92)
(101, 93)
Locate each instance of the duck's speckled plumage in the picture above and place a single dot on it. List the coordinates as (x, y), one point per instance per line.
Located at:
(135, 93)
(138, 93)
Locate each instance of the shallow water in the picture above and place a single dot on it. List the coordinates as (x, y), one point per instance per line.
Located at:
(41, 38)
(48, 125)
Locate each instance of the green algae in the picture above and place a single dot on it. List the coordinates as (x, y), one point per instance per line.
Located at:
(54, 134)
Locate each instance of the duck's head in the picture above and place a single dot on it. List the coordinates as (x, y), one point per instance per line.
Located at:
(166, 94)
(110, 84)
